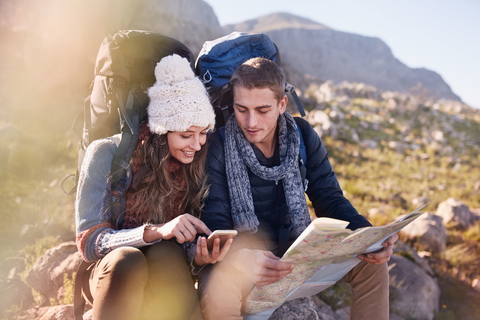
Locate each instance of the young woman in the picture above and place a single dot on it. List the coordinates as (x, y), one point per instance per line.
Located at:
(141, 271)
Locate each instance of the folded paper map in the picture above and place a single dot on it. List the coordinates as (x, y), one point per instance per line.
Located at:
(322, 255)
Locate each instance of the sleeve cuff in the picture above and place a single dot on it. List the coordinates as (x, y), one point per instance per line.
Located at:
(191, 250)
(130, 237)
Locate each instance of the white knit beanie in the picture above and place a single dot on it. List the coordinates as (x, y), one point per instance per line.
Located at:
(178, 99)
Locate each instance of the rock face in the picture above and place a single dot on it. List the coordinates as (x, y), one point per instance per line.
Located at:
(455, 214)
(47, 274)
(59, 312)
(33, 33)
(413, 293)
(429, 233)
(191, 21)
(333, 55)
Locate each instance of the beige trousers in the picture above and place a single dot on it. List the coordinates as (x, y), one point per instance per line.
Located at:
(223, 289)
(153, 282)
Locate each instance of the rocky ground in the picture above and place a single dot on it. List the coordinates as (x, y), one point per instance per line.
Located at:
(415, 288)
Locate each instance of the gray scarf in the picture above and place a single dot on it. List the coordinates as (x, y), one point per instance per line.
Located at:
(239, 155)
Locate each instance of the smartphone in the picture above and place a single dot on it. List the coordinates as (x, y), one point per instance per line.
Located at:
(224, 235)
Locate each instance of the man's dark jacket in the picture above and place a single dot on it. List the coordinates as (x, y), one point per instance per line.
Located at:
(268, 196)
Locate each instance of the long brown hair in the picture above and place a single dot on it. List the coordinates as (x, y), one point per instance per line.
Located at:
(154, 184)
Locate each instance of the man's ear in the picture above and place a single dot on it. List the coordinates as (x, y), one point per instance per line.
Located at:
(283, 104)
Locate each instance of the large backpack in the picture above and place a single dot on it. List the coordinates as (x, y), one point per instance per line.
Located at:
(219, 58)
(216, 63)
(124, 70)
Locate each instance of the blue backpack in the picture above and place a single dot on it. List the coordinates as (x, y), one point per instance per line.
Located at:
(219, 58)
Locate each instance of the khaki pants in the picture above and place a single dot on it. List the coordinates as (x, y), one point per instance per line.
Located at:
(152, 283)
(223, 289)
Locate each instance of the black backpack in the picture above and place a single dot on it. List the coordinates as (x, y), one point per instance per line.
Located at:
(219, 58)
(124, 70)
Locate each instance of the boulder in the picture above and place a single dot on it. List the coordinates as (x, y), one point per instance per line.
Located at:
(322, 93)
(398, 146)
(394, 316)
(301, 308)
(437, 135)
(47, 274)
(402, 249)
(420, 201)
(354, 136)
(376, 212)
(476, 213)
(428, 233)
(476, 187)
(326, 312)
(397, 200)
(476, 284)
(368, 144)
(413, 293)
(327, 128)
(336, 115)
(59, 313)
(309, 308)
(318, 117)
(33, 313)
(455, 214)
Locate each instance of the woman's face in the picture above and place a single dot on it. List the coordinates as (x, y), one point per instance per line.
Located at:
(183, 145)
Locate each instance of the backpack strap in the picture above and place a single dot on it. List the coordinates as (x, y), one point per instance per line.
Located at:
(130, 124)
(222, 132)
(78, 298)
(290, 88)
(302, 160)
(225, 111)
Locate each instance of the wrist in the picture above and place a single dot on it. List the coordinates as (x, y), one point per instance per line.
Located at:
(198, 262)
(151, 233)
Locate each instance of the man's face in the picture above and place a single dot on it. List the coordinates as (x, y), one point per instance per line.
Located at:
(257, 112)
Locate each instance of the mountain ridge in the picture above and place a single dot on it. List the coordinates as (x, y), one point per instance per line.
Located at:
(328, 54)
(271, 22)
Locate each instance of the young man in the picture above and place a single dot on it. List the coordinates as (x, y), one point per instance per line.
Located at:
(257, 189)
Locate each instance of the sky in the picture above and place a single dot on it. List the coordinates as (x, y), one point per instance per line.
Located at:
(440, 35)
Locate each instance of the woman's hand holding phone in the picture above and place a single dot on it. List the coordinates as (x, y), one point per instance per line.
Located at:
(215, 248)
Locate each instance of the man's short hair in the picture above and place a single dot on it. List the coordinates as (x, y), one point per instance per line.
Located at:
(260, 73)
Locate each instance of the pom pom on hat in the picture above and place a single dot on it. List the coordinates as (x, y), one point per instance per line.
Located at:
(178, 99)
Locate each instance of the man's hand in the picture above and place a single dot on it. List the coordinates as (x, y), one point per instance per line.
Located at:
(203, 256)
(262, 267)
(384, 255)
